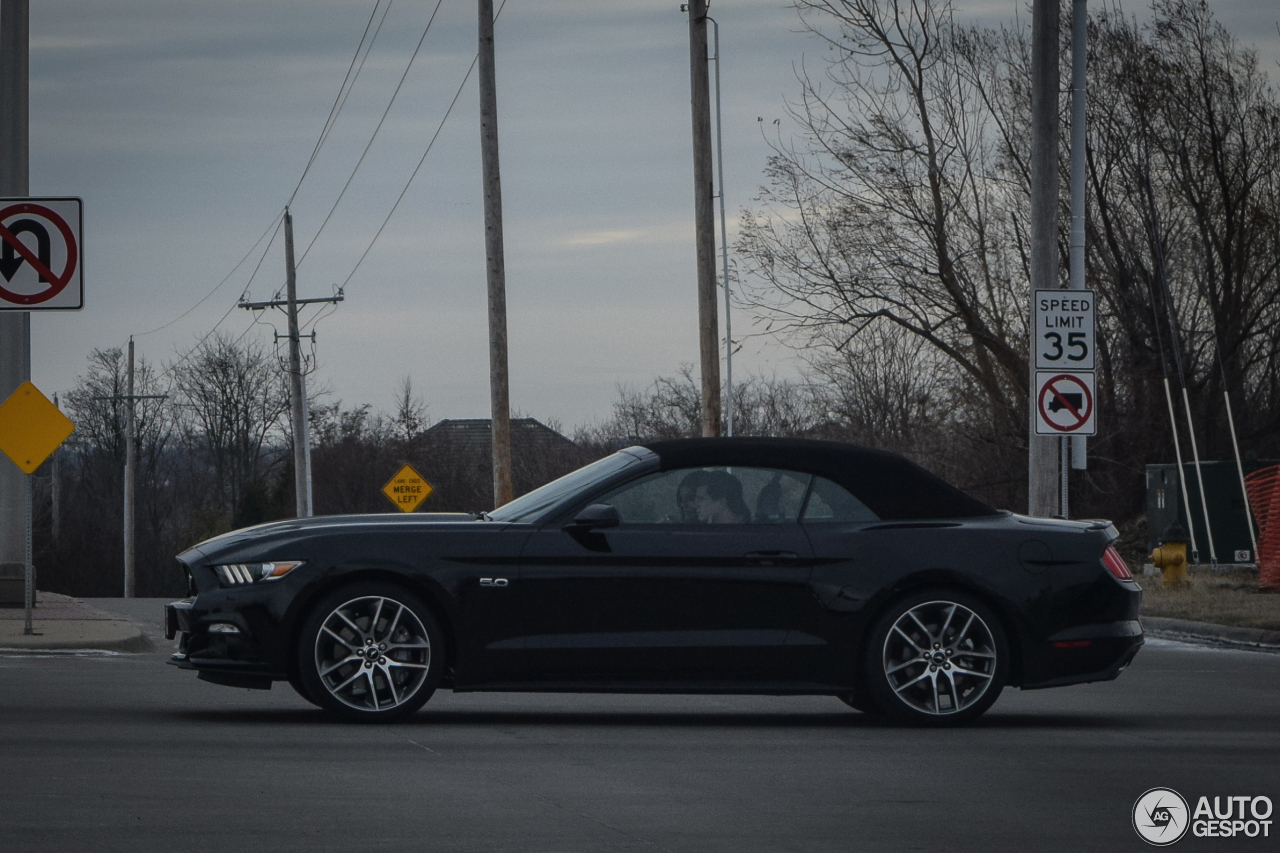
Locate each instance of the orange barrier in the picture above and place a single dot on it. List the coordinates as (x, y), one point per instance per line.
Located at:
(1263, 487)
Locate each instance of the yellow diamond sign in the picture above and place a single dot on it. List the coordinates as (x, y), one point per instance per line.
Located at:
(407, 489)
(31, 427)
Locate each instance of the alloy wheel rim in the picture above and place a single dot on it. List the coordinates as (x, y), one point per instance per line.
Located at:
(372, 653)
(939, 657)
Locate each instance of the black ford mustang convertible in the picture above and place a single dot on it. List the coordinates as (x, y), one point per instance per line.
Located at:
(764, 566)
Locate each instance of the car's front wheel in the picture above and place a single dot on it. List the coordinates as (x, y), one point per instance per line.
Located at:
(370, 652)
(936, 658)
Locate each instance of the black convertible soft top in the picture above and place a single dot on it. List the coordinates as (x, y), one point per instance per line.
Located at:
(892, 486)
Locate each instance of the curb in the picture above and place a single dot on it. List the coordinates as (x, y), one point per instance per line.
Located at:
(73, 634)
(1241, 638)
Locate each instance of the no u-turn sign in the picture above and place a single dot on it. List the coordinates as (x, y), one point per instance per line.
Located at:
(41, 254)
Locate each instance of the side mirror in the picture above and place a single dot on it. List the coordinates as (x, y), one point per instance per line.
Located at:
(595, 517)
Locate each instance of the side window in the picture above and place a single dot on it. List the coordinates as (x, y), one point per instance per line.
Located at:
(722, 495)
(831, 503)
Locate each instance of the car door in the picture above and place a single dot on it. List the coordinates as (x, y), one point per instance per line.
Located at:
(692, 588)
(847, 573)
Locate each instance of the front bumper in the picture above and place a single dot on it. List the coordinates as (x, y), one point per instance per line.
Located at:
(250, 657)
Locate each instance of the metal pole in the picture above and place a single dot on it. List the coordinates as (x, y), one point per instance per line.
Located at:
(1195, 454)
(15, 326)
(704, 218)
(130, 479)
(1079, 126)
(1063, 504)
(55, 488)
(1248, 510)
(724, 248)
(495, 263)
(297, 389)
(1177, 452)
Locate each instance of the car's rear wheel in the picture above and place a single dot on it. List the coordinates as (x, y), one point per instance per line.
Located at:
(370, 652)
(936, 658)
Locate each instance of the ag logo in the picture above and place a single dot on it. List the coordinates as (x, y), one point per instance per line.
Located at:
(1160, 816)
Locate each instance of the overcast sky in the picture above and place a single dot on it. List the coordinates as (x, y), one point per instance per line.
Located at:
(185, 127)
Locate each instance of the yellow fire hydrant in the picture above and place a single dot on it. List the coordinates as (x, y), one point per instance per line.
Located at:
(1171, 556)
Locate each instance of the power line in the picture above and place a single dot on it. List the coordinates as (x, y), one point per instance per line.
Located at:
(334, 111)
(421, 160)
(169, 370)
(274, 223)
(376, 130)
(363, 60)
(340, 100)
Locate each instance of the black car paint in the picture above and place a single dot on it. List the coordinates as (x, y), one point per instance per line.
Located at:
(631, 610)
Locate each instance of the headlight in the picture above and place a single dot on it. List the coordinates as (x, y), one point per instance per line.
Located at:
(237, 574)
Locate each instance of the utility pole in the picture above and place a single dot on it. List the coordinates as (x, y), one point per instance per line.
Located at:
(495, 264)
(704, 218)
(15, 326)
(1042, 462)
(130, 481)
(298, 405)
(297, 382)
(129, 526)
(55, 489)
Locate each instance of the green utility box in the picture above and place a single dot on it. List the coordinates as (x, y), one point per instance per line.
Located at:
(1224, 497)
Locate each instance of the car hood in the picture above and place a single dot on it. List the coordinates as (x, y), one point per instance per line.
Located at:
(327, 523)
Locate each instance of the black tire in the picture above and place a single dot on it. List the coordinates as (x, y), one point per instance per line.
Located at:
(370, 652)
(860, 702)
(936, 658)
(295, 681)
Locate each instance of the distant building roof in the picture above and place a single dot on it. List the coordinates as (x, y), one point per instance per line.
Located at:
(478, 432)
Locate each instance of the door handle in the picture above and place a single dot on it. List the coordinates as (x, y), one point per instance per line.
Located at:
(771, 558)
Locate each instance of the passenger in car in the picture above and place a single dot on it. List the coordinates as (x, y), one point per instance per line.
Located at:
(719, 499)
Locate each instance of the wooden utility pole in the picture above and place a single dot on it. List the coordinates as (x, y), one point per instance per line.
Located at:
(1042, 450)
(299, 410)
(704, 218)
(495, 266)
(297, 382)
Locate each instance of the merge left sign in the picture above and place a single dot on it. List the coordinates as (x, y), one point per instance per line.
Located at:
(41, 254)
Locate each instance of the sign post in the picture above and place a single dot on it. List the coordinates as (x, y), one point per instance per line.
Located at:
(31, 428)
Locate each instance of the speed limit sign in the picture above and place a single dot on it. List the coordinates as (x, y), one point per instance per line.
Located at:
(1063, 329)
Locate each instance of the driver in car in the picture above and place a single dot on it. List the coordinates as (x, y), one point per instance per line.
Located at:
(712, 497)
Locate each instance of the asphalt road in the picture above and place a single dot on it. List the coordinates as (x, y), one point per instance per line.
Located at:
(120, 752)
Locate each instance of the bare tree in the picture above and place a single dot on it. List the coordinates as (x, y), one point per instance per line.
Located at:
(232, 401)
(901, 202)
(895, 205)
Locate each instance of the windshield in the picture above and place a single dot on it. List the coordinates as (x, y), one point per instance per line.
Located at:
(527, 507)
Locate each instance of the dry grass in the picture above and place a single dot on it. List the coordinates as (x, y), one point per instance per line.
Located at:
(1227, 597)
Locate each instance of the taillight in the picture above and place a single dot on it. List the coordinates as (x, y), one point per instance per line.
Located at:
(1116, 565)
